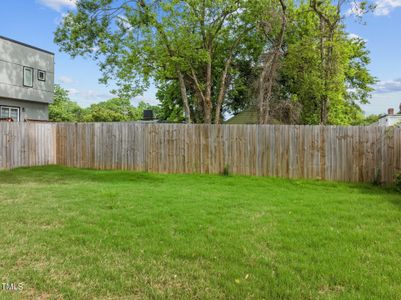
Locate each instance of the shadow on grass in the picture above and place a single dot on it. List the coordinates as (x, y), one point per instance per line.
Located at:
(388, 192)
(63, 175)
(396, 200)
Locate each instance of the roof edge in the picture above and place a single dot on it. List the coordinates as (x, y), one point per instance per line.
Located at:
(390, 116)
(26, 45)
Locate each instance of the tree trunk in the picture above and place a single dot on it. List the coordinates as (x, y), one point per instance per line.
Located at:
(323, 100)
(327, 59)
(261, 94)
(208, 94)
(222, 92)
(269, 72)
(324, 111)
(327, 66)
(184, 97)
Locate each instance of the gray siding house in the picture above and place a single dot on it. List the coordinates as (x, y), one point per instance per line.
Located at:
(26, 81)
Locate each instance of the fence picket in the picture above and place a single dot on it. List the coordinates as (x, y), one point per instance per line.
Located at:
(356, 154)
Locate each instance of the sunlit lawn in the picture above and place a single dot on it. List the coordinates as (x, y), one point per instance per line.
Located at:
(83, 234)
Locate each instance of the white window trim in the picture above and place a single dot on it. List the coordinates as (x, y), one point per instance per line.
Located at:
(9, 111)
(23, 76)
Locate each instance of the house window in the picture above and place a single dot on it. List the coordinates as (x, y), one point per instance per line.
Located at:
(28, 77)
(9, 112)
(41, 75)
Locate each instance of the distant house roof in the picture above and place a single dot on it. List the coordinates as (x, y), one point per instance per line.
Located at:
(248, 116)
(388, 120)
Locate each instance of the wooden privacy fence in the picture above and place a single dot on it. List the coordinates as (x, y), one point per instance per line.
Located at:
(27, 144)
(357, 154)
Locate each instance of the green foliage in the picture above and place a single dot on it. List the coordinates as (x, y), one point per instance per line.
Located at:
(240, 94)
(117, 110)
(158, 39)
(171, 107)
(303, 79)
(146, 106)
(113, 110)
(359, 81)
(226, 170)
(368, 120)
(63, 109)
(135, 42)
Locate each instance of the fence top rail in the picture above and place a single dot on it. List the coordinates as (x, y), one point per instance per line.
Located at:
(169, 126)
(223, 125)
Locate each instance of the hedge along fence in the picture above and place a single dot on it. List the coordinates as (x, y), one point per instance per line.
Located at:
(355, 154)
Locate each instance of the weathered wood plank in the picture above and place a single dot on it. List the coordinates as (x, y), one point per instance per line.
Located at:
(357, 154)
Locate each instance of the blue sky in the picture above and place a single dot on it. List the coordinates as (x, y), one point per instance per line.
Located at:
(34, 21)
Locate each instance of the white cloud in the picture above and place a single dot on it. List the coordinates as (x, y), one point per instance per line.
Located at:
(381, 102)
(123, 21)
(384, 7)
(356, 37)
(60, 18)
(355, 9)
(353, 36)
(90, 96)
(73, 91)
(95, 95)
(147, 99)
(388, 86)
(65, 79)
(58, 5)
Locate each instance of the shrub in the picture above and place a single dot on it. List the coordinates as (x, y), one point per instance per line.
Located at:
(226, 170)
(397, 181)
(377, 179)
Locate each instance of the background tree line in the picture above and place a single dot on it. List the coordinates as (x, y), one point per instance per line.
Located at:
(63, 109)
(291, 62)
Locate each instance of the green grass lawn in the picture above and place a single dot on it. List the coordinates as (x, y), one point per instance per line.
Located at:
(84, 234)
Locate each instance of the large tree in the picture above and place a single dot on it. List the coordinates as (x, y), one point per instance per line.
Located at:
(271, 58)
(191, 42)
(324, 69)
(116, 110)
(293, 62)
(63, 109)
(113, 110)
